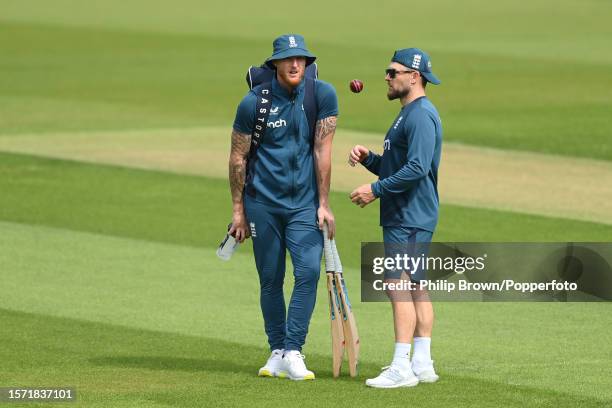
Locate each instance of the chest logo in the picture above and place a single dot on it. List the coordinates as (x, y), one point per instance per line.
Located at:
(274, 111)
(277, 124)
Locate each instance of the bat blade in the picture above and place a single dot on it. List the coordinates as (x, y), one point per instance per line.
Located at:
(335, 313)
(349, 324)
(337, 329)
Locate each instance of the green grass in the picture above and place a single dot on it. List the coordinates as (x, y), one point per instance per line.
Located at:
(513, 77)
(125, 367)
(194, 211)
(110, 284)
(137, 323)
(109, 281)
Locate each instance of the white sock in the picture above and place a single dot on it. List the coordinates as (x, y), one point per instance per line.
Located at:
(422, 349)
(401, 356)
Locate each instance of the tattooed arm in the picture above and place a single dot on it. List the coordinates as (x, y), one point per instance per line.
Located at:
(241, 144)
(324, 135)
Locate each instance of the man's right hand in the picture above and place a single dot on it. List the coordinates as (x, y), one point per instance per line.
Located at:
(358, 154)
(239, 229)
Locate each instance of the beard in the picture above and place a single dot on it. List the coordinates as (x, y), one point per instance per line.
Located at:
(291, 81)
(396, 94)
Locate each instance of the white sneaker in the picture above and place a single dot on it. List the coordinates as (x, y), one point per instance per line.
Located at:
(293, 367)
(392, 377)
(273, 365)
(424, 371)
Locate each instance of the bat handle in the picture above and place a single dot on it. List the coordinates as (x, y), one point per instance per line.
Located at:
(337, 263)
(327, 249)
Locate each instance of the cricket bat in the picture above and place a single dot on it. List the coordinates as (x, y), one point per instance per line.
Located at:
(351, 335)
(335, 313)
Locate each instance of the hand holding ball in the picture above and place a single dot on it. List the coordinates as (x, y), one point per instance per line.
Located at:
(356, 86)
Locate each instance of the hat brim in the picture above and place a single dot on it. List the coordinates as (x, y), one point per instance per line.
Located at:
(430, 77)
(293, 52)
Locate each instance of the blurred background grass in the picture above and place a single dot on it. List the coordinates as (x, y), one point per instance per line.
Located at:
(109, 278)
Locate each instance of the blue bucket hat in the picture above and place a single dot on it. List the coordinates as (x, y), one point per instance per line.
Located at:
(290, 45)
(416, 59)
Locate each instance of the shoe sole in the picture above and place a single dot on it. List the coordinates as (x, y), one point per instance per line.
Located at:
(284, 374)
(429, 380)
(266, 373)
(408, 384)
(432, 378)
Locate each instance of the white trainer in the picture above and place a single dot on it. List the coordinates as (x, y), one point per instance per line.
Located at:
(273, 365)
(293, 367)
(392, 377)
(424, 371)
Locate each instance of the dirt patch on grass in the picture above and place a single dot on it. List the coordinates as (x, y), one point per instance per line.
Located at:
(472, 176)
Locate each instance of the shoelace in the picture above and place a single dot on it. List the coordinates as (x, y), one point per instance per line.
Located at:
(390, 371)
(300, 355)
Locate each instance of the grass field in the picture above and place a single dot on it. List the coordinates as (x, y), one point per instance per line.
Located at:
(113, 126)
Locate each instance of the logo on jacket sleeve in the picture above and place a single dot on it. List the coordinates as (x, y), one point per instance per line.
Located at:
(387, 145)
(398, 122)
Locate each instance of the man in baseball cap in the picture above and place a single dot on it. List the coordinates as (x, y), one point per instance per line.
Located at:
(407, 183)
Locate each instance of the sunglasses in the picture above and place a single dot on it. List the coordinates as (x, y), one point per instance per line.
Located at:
(393, 72)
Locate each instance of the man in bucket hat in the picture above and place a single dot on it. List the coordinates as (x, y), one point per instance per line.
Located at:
(407, 188)
(285, 200)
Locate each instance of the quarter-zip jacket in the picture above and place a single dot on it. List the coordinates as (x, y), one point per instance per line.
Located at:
(284, 172)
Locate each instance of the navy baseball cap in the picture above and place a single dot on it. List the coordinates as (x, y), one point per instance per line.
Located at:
(416, 59)
(290, 45)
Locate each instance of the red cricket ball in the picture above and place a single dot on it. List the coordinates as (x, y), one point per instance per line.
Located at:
(356, 86)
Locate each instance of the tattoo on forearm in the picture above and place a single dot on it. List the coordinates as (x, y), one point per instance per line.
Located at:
(324, 133)
(241, 143)
(325, 127)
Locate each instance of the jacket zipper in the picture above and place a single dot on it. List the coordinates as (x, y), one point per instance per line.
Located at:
(296, 128)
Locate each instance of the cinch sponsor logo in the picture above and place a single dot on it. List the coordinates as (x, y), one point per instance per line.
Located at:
(278, 123)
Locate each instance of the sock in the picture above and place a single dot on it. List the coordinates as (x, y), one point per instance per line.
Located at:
(422, 349)
(401, 356)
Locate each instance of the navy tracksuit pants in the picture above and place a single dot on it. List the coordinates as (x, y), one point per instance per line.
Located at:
(275, 230)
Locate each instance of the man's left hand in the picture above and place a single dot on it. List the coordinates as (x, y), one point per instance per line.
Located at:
(363, 195)
(325, 215)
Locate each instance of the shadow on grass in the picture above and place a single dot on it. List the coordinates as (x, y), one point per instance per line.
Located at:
(224, 371)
